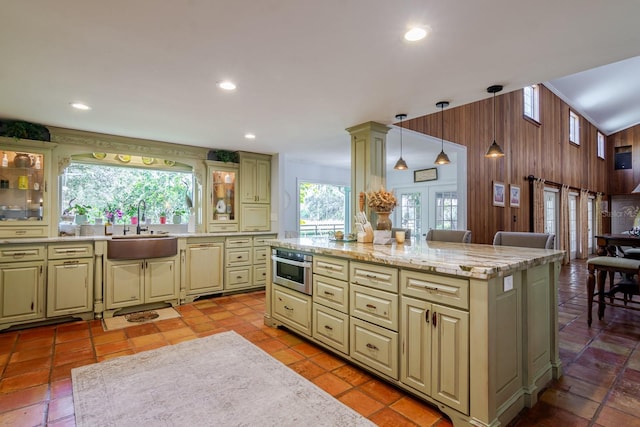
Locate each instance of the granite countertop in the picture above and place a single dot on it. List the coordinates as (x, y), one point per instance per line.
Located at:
(97, 238)
(459, 259)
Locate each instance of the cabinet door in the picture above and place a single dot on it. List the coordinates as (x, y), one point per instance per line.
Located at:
(69, 286)
(21, 291)
(292, 308)
(255, 217)
(223, 201)
(450, 357)
(204, 267)
(248, 175)
(415, 368)
(263, 181)
(125, 283)
(161, 279)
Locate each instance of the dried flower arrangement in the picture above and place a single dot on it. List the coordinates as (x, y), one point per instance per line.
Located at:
(381, 201)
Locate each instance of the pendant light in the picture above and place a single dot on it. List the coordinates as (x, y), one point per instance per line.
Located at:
(401, 164)
(494, 150)
(442, 158)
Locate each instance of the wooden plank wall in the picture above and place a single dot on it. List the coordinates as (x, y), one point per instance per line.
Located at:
(539, 149)
(624, 181)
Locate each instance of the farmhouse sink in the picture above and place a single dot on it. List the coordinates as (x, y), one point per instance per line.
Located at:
(141, 247)
(139, 236)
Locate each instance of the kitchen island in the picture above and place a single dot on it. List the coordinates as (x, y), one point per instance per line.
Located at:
(472, 329)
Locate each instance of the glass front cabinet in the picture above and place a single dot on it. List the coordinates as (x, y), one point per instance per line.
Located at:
(24, 196)
(222, 211)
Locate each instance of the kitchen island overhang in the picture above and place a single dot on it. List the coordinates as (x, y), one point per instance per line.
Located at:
(492, 315)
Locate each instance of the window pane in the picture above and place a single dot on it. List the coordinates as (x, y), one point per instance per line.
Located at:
(322, 209)
(446, 210)
(410, 212)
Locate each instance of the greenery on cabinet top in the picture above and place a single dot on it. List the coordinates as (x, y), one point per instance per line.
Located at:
(113, 188)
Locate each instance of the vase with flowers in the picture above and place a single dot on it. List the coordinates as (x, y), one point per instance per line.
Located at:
(382, 203)
(112, 213)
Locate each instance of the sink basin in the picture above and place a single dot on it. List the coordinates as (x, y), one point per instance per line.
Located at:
(140, 236)
(141, 247)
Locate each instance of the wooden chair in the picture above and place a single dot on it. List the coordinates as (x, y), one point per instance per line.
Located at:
(611, 265)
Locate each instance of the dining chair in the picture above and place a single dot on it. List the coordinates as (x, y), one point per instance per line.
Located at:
(524, 239)
(455, 236)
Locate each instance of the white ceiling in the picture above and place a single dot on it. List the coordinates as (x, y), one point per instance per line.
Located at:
(305, 70)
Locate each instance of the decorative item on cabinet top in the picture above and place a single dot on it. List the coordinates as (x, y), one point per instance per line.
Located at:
(24, 130)
(130, 160)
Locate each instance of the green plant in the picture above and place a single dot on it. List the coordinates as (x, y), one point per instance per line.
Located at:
(163, 213)
(179, 212)
(79, 209)
(24, 130)
(226, 156)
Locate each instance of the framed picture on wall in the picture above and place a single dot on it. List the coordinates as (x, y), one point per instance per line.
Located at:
(425, 175)
(514, 196)
(498, 193)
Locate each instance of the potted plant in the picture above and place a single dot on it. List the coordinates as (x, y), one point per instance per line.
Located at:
(81, 212)
(131, 212)
(177, 215)
(163, 217)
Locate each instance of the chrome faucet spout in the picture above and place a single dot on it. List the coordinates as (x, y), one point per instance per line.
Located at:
(141, 218)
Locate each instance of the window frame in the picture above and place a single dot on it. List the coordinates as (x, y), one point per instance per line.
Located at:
(453, 222)
(574, 128)
(531, 102)
(600, 145)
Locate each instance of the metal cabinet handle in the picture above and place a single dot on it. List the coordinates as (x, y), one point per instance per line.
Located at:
(434, 319)
(372, 307)
(426, 316)
(372, 347)
(329, 293)
(327, 327)
(288, 308)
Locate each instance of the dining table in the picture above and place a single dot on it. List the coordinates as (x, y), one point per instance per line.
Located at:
(610, 244)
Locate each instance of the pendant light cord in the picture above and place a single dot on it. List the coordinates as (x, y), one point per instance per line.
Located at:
(442, 126)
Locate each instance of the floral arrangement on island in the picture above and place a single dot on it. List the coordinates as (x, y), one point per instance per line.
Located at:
(382, 200)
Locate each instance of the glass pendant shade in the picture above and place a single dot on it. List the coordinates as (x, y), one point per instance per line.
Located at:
(442, 158)
(494, 150)
(401, 164)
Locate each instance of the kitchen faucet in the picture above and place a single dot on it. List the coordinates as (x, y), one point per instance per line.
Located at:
(141, 218)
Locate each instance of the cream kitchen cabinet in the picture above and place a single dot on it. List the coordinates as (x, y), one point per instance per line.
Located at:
(238, 263)
(24, 196)
(134, 282)
(331, 302)
(70, 279)
(205, 267)
(292, 308)
(21, 284)
(255, 192)
(222, 211)
(435, 337)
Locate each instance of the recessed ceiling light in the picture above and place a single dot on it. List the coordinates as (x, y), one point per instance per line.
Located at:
(227, 85)
(80, 106)
(249, 136)
(415, 34)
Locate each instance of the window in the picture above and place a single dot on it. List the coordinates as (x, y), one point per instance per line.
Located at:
(446, 210)
(323, 208)
(600, 145)
(118, 188)
(532, 102)
(410, 212)
(574, 128)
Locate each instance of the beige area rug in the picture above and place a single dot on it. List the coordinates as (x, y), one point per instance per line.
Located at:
(132, 319)
(220, 380)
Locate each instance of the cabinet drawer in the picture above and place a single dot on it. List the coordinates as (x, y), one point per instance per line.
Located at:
(222, 227)
(331, 327)
(259, 275)
(260, 255)
(78, 250)
(21, 253)
(441, 289)
(238, 242)
(379, 277)
(331, 267)
(238, 278)
(11, 232)
(374, 346)
(262, 240)
(292, 308)
(238, 256)
(372, 305)
(331, 293)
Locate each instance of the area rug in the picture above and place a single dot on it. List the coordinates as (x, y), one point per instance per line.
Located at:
(220, 380)
(132, 319)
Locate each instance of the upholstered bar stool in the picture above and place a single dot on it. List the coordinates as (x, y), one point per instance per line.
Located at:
(455, 236)
(604, 265)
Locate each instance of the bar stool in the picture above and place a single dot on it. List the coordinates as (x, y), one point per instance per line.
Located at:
(604, 265)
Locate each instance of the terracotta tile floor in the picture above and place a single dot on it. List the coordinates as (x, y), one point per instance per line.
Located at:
(600, 387)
